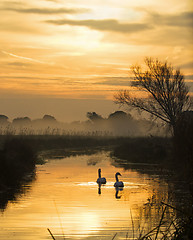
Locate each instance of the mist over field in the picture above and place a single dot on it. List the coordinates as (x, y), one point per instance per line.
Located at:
(118, 123)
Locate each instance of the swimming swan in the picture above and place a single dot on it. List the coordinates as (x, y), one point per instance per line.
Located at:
(118, 183)
(101, 180)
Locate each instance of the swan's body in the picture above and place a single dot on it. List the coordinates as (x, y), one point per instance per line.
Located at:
(118, 183)
(101, 180)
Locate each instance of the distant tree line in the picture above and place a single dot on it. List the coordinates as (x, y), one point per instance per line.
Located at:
(118, 123)
(26, 120)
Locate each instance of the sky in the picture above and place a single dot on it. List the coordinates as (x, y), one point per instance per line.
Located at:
(67, 57)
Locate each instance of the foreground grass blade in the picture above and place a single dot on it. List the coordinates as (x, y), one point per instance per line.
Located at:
(59, 219)
(51, 234)
(114, 236)
(132, 225)
(160, 223)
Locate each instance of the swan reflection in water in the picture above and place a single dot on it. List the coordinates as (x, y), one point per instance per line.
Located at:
(117, 192)
(100, 181)
(99, 189)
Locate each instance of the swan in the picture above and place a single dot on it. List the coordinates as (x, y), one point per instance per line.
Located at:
(118, 183)
(101, 180)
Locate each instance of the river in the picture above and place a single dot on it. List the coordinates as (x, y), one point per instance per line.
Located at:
(66, 199)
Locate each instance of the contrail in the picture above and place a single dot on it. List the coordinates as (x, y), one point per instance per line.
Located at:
(25, 58)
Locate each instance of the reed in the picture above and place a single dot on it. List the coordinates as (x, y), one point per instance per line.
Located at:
(114, 236)
(178, 228)
(51, 234)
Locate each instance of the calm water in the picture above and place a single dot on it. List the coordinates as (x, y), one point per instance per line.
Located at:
(66, 199)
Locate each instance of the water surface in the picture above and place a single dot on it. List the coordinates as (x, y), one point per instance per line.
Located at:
(66, 199)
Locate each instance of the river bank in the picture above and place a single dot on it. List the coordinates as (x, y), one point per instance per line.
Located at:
(24, 151)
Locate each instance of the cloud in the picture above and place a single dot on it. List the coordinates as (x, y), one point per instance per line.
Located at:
(19, 26)
(152, 21)
(21, 57)
(18, 64)
(158, 36)
(103, 25)
(184, 19)
(11, 3)
(188, 77)
(187, 65)
(45, 10)
(114, 81)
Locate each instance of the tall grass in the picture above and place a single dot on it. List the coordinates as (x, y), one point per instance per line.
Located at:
(45, 142)
(176, 228)
(145, 149)
(10, 130)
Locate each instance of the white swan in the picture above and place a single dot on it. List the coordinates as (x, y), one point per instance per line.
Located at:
(101, 180)
(118, 183)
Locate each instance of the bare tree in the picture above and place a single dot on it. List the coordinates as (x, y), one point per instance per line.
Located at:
(167, 93)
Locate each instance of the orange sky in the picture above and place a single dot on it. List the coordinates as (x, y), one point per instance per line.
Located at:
(80, 49)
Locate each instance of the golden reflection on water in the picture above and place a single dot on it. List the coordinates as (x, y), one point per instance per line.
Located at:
(66, 199)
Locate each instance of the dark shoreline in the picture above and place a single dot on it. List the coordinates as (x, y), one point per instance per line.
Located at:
(151, 150)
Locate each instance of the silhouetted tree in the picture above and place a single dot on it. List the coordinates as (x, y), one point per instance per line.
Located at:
(3, 119)
(49, 118)
(167, 93)
(93, 116)
(120, 115)
(122, 123)
(21, 121)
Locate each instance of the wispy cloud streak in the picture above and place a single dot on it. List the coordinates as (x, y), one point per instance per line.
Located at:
(24, 58)
(184, 19)
(45, 10)
(104, 25)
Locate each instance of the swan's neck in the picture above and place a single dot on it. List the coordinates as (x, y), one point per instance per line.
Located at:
(99, 172)
(116, 176)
